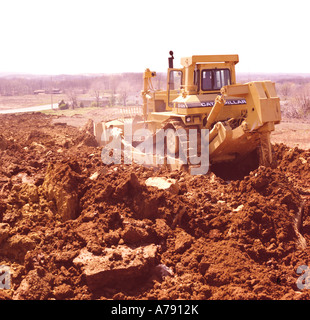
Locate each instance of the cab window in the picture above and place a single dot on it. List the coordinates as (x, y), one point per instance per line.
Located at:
(175, 79)
(214, 79)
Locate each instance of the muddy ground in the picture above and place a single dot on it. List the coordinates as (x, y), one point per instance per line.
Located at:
(74, 228)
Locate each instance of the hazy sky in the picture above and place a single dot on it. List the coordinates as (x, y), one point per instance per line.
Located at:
(100, 36)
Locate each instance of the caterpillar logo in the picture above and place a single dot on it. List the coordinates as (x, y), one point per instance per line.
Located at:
(211, 103)
(228, 102)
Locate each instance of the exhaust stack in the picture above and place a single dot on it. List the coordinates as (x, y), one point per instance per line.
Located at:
(170, 59)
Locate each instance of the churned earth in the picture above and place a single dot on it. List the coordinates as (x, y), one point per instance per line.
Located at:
(72, 227)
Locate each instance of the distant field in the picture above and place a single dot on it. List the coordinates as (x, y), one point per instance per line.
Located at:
(31, 100)
(13, 102)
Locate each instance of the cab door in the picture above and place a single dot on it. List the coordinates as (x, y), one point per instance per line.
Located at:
(174, 83)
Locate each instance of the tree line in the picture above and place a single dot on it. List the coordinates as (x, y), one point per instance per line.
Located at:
(294, 92)
(24, 85)
(119, 89)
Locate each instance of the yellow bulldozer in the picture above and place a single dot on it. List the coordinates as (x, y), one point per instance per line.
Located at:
(234, 120)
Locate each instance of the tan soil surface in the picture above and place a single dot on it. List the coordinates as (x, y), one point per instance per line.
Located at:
(293, 133)
(74, 228)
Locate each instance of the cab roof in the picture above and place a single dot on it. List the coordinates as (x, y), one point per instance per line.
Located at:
(188, 61)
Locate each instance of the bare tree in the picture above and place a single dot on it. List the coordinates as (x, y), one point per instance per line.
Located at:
(303, 99)
(72, 98)
(98, 88)
(285, 89)
(97, 97)
(123, 90)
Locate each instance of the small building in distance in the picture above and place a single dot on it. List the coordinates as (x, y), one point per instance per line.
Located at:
(53, 91)
(39, 92)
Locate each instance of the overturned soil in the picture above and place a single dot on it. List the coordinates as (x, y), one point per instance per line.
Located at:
(72, 227)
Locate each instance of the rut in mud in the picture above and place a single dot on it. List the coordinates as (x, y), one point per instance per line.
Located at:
(74, 228)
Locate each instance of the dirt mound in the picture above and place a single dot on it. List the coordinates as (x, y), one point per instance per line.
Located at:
(74, 228)
(61, 186)
(295, 164)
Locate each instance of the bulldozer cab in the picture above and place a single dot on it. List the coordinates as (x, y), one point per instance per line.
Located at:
(200, 75)
(208, 73)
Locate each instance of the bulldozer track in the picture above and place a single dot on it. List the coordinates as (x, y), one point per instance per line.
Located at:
(184, 152)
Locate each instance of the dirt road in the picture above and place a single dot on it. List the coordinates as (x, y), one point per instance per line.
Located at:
(29, 109)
